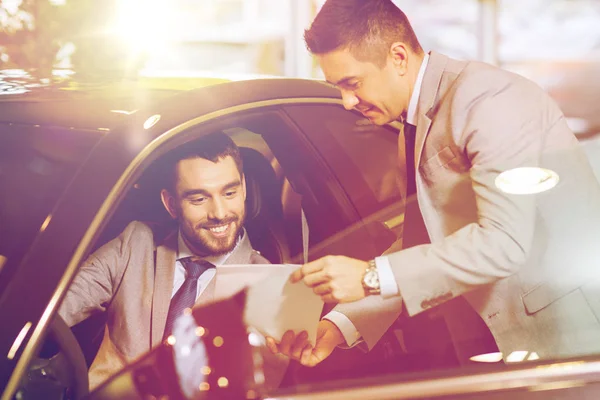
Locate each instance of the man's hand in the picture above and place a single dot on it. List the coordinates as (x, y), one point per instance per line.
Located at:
(298, 348)
(337, 279)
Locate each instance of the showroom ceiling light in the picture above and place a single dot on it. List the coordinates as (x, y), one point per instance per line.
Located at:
(527, 180)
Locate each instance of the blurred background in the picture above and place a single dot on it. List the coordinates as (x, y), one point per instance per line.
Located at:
(554, 42)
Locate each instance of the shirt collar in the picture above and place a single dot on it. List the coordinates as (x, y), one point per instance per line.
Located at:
(411, 113)
(184, 251)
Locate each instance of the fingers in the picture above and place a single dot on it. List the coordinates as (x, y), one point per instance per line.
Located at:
(287, 340)
(314, 266)
(297, 275)
(308, 269)
(305, 358)
(300, 344)
(316, 278)
(322, 289)
(272, 345)
(291, 345)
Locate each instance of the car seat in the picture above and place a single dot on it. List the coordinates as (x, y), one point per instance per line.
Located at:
(264, 210)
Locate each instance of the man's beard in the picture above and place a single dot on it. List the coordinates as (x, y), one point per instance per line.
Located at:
(202, 242)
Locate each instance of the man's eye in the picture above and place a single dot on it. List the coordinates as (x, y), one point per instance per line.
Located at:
(198, 200)
(230, 193)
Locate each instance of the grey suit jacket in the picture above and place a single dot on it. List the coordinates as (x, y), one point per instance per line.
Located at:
(528, 264)
(122, 279)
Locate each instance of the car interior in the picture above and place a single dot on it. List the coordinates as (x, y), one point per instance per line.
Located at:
(265, 218)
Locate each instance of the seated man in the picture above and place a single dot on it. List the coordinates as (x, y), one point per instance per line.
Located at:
(144, 282)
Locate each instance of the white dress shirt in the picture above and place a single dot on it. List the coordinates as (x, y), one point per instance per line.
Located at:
(184, 251)
(387, 281)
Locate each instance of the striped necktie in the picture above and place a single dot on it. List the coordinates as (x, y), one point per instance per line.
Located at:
(186, 295)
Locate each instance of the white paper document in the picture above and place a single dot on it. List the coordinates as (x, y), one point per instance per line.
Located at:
(273, 304)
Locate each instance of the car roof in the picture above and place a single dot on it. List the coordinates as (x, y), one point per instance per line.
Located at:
(102, 106)
(80, 106)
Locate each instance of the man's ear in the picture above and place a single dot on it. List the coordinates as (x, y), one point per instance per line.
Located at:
(169, 203)
(399, 55)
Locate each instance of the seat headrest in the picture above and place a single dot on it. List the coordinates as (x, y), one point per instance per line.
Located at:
(262, 187)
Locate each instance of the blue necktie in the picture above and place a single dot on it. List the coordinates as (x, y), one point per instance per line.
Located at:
(186, 295)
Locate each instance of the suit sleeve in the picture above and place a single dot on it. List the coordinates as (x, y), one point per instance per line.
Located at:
(97, 280)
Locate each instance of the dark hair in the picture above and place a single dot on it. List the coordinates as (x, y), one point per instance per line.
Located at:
(213, 147)
(367, 28)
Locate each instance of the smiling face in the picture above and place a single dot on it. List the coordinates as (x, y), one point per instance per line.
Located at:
(208, 201)
(380, 93)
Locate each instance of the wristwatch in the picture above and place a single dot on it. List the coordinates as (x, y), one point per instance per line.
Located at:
(370, 280)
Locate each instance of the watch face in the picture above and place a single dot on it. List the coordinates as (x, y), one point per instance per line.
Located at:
(371, 279)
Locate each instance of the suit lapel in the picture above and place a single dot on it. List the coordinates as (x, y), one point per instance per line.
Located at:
(427, 96)
(166, 255)
(241, 255)
(208, 294)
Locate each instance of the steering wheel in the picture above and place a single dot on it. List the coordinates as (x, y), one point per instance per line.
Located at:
(69, 347)
(65, 370)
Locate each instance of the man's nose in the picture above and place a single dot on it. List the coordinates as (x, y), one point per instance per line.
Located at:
(218, 209)
(349, 99)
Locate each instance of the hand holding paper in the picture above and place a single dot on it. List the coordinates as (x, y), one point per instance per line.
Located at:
(298, 348)
(337, 279)
(274, 305)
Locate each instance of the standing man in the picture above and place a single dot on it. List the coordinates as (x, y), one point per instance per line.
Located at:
(481, 145)
(144, 285)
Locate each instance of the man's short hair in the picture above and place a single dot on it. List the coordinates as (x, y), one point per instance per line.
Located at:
(213, 147)
(367, 28)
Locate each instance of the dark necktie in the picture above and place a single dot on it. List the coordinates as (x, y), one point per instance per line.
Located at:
(186, 295)
(414, 232)
(410, 132)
